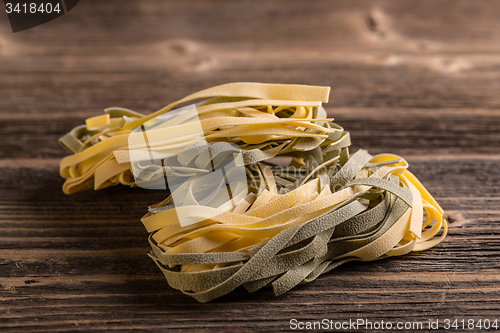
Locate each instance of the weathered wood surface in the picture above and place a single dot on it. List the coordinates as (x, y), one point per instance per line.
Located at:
(419, 79)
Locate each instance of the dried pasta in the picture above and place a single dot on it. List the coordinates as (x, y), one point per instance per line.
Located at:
(287, 224)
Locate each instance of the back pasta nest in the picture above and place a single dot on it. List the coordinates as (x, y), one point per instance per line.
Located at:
(287, 224)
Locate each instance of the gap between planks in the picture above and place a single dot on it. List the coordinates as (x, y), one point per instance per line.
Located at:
(447, 277)
(332, 111)
(54, 162)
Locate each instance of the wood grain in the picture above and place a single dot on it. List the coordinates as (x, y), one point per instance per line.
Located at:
(404, 131)
(419, 79)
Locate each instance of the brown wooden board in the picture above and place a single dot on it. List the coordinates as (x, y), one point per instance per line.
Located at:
(419, 79)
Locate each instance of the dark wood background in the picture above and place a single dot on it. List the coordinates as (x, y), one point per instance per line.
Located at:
(416, 78)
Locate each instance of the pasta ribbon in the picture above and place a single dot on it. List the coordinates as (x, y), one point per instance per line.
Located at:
(260, 224)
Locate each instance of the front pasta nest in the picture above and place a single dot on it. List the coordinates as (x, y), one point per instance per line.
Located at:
(281, 225)
(345, 208)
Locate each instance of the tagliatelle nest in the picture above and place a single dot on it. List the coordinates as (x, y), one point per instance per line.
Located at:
(275, 225)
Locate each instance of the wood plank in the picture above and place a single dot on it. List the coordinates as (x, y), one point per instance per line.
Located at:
(439, 295)
(376, 53)
(441, 25)
(451, 178)
(353, 85)
(403, 131)
(57, 235)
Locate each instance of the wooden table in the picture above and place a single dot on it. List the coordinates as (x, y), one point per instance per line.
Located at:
(419, 79)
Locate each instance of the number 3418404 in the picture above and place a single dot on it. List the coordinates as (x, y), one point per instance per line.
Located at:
(32, 8)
